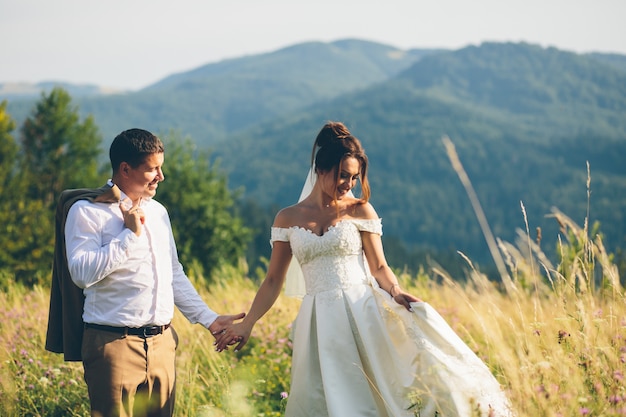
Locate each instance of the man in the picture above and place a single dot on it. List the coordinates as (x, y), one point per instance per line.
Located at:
(123, 256)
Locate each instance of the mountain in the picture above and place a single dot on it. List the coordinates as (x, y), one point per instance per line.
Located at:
(525, 121)
(30, 91)
(616, 60)
(215, 100)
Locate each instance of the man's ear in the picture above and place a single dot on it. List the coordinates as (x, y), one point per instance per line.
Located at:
(124, 169)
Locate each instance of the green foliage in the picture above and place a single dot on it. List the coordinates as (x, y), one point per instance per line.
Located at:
(524, 119)
(60, 152)
(266, 360)
(25, 239)
(8, 148)
(8, 189)
(206, 228)
(57, 152)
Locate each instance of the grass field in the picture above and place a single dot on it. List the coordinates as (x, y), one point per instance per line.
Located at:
(554, 336)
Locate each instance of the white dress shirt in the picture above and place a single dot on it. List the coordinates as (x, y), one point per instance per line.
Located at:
(129, 280)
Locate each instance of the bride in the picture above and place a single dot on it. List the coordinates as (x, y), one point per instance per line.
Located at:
(362, 346)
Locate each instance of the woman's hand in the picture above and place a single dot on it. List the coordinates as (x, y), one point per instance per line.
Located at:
(402, 297)
(238, 333)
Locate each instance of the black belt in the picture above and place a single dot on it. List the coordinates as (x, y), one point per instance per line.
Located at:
(145, 332)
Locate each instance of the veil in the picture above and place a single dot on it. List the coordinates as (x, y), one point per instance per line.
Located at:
(294, 282)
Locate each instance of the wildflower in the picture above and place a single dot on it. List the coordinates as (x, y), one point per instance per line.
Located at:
(562, 335)
(584, 411)
(618, 375)
(615, 399)
(284, 395)
(541, 390)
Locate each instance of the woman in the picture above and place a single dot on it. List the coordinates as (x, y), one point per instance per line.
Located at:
(362, 346)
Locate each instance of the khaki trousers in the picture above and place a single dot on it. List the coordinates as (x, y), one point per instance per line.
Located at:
(129, 376)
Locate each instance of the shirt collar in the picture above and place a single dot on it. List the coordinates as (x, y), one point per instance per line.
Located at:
(123, 195)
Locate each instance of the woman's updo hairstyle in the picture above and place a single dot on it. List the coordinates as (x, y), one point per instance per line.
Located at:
(333, 144)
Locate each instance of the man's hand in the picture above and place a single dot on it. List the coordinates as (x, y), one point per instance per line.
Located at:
(238, 333)
(134, 217)
(221, 323)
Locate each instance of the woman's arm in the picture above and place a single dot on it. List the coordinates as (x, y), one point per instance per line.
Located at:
(264, 299)
(373, 249)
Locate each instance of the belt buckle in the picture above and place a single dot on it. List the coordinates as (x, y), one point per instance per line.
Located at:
(150, 331)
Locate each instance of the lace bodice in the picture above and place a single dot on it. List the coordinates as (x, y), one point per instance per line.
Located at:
(334, 260)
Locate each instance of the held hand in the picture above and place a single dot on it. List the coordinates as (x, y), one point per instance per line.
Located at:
(236, 334)
(134, 217)
(221, 323)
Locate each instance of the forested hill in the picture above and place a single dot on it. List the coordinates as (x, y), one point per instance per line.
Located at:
(214, 101)
(525, 121)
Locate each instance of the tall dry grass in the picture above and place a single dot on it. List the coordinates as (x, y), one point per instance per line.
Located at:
(556, 339)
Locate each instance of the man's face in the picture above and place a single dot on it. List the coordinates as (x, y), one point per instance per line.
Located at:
(143, 180)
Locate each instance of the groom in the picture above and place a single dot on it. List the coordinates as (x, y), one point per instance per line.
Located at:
(119, 252)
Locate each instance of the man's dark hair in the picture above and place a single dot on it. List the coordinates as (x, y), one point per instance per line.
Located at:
(133, 146)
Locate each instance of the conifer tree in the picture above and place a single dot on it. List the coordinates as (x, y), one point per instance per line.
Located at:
(60, 151)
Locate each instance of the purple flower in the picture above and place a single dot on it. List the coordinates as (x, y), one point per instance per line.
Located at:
(284, 395)
(615, 399)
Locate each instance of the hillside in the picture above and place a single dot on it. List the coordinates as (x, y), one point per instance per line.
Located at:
(218, 99)
(525, 121)
(21, 91)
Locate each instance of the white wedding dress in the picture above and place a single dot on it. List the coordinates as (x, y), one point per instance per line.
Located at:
(358, 353)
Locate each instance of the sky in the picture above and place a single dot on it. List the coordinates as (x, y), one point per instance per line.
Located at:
(130, 44)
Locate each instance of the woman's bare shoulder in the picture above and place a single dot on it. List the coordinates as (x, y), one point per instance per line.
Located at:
(287, 216)
(364, 210)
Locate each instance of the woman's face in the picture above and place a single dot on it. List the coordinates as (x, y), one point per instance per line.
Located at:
(349, 173)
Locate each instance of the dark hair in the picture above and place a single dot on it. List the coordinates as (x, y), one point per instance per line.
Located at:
(335, 143)
(133, 146)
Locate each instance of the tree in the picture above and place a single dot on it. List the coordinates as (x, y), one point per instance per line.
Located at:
(208, 233)
(24, 221)
(8, 149)
(59, 151)
(8, 190)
